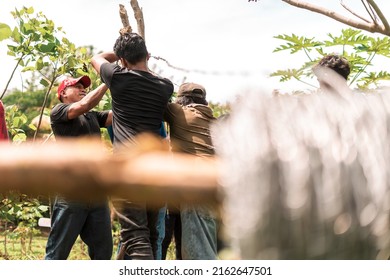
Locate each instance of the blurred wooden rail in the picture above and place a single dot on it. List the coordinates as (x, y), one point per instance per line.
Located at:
(84, 169)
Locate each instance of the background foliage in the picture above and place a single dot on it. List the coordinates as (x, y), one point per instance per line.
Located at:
(44, 55)
(360, 50)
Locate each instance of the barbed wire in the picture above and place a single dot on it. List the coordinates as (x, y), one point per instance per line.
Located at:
(204, 72)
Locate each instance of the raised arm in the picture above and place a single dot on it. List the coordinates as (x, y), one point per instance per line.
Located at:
(104, 57)
(87, 103)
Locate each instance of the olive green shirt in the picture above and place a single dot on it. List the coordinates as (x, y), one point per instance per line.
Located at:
(189, 128)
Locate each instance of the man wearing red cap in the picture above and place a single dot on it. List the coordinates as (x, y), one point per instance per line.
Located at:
(73, 118)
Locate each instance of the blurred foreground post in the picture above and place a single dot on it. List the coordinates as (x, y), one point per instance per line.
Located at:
(307, 177)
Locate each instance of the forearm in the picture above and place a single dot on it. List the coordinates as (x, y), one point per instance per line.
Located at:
(99, 59)
(93, 98)
(87, 103)
(110, 56)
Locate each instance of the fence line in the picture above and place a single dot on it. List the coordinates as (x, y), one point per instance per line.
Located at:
(84, 169)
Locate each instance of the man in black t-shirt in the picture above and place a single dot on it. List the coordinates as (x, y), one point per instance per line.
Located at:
(139, 99)
(73, 118)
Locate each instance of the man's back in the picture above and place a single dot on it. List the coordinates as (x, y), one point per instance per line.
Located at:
(139, 99)
(190, 128)
(189, 121)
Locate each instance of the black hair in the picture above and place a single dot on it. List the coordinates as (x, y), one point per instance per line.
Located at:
(337, 63)
(131, 47)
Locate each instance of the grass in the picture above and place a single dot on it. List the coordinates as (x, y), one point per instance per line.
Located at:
(37, 252)
(15, 250)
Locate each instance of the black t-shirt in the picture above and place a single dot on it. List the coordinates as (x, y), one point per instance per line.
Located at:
(85, 124)
(139, 100)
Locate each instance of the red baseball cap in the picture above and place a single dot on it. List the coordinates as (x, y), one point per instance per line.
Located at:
(84, 80)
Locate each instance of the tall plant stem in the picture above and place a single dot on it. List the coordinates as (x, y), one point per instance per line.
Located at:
(10, 78)
(44, 106)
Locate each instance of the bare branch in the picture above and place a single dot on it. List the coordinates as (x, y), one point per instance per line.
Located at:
(139, 17)
(371, 27)
(352, 12)
(380, 14)
(125, 20)
(10, 78)
(370, 12)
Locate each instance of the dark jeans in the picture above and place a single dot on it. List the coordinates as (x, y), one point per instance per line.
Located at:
(172, 229)
(71, 219)
(140, 231)
(156, 225)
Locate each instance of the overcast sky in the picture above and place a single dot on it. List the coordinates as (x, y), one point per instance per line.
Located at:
(221, 39)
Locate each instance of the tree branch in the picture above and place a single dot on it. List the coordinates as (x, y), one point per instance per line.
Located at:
(44, 105)
(125, 20)
(380, 14)
(12, 75)
(139, 17)
(370, 12)
(352, 12)
(371, 27)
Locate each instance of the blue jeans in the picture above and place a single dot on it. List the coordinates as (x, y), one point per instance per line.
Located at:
(160, 232)
(71, 219)
(199, 233)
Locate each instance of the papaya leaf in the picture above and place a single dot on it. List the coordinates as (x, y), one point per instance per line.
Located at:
(295, 43)
(288, 74)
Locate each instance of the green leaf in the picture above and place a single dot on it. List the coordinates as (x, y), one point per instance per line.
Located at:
(28, 68)
(39, 64)
(50, 47)
(296, 43)
(16, 36)
(16, 122)
(20, 137)
(348, 37)
(43, 208)
(10, 53)
(32, 127)
(30, 10)
(5, 31)
(379, 46)
(44, 82)
(288, 74)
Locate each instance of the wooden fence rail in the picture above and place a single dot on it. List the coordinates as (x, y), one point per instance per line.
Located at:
(85, 169)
